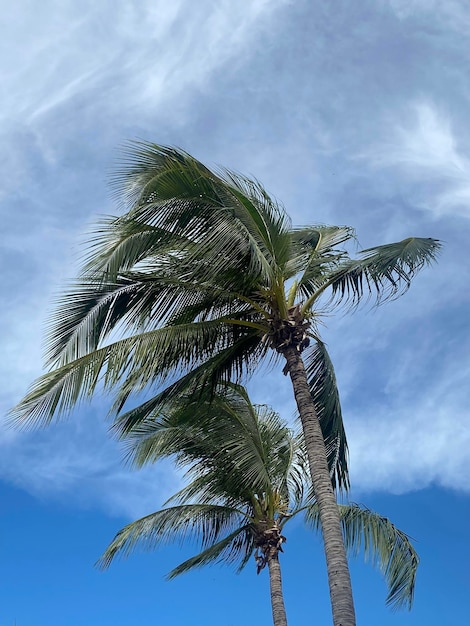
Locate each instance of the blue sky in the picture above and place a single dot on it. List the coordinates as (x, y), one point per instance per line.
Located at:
(349, 113)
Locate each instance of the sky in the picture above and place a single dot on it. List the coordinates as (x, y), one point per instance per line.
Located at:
(349, 113)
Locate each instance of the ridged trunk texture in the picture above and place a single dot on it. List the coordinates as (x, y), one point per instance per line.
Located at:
(339, 579)
(275, 582)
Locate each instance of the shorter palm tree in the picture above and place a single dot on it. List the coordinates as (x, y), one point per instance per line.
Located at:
(248, 477)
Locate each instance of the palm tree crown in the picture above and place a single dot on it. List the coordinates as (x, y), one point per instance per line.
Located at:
(205, 273)
(248, 478)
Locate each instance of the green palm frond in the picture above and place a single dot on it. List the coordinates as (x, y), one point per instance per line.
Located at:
(226, 364)
(384, 545)
(322, 238)
(384, 271)
(270, 224)
(296, 487)
(236, 547)
(223, 433)
(229, 450)
(229, 214)
(206, 522)
(315, 254)
(126, 363)
(284, 455)
(118, 244)
(88, 313)
(322, 382)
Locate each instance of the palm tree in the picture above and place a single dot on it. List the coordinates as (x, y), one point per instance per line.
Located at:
(202, 277)
(248, 479)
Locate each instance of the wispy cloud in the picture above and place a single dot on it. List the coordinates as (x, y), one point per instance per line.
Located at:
(423, 147)
(453, 13)
(404, 446)
(78, 461)
(146, 55)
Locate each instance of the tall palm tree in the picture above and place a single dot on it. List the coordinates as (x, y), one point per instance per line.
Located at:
(248, 479)
(201, 277)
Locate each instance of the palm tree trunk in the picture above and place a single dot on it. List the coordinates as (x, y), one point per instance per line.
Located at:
(275, 583)
(337, 565)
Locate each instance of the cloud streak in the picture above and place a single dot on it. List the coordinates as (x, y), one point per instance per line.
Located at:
(424, 149)
(452, 13)
(148, 54)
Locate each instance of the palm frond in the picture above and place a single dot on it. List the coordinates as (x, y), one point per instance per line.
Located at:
(269, 223)
(118, 244)
(88, 312)
(324, 391)
(226, 364)
(133, 363)
(383, 544)
(316, 254)
(223, 433)
(297, 483)
(385, 271)
(206, 522)
(238, 546)
(323, 238)
(170, 190)
(92, 309)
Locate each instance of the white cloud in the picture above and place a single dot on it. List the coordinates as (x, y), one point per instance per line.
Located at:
(405, 448)
(78, 461)
(451, 13)
(423, 147)
(414, 430)
(147, 54)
